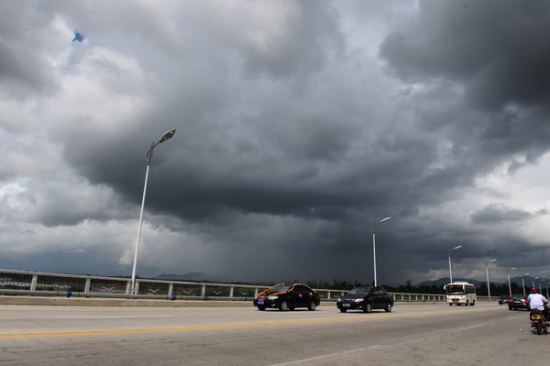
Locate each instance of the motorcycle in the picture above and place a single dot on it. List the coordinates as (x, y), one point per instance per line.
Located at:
(539, 322)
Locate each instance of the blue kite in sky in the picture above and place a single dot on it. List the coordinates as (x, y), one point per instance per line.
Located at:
(78, 37)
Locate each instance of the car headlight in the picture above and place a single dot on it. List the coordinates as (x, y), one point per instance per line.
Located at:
(358, 300)
(339, 299)
(274, 297)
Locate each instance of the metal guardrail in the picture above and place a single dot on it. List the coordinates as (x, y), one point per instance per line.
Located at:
(30, 283)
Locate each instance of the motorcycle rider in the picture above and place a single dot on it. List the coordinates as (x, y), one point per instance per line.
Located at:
(538, 302)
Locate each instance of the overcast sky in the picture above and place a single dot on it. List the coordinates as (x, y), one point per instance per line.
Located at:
(299, 125)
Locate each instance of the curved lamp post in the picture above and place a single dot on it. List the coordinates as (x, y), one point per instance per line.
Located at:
(543, 281)
(450, 270)
(509, 283)
(149, 156)
(487, 272)
(374, 244)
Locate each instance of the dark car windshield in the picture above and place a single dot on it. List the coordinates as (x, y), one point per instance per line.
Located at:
(360, 291)
(455, 290)
(280, 288)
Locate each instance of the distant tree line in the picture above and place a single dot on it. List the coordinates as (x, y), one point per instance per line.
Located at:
(408, 287)
(348, 285)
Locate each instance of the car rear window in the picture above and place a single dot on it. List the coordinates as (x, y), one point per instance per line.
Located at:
(360, 291)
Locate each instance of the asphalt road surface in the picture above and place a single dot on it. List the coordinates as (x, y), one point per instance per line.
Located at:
(485, 334)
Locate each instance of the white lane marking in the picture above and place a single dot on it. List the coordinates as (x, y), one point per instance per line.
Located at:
(323, 357)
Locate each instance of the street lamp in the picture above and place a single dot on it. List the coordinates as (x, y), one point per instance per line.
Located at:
(487, 272)
(509, 284)
(374, 244)
(450, 270)
(168, 135)
(523, 283)
(545, 280)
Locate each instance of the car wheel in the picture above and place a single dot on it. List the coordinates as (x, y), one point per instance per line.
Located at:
(312, 306)
(343, 310)
(510, 308)
(388, 308)
(261, 308)
(283, 306)
(473, 303)
(367, 308)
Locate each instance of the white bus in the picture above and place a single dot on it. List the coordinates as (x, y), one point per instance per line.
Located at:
(459, 293)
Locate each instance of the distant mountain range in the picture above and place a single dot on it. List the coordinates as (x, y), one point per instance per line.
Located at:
(191, 276)
(445, 280)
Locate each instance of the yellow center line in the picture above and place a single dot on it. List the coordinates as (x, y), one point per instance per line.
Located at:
(222, 326)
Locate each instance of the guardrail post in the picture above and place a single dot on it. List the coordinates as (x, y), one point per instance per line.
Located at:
(328, 295)
(34, 281)
(231, 292)
(128, 287)
(256, 292)
(170, 289)
(203, 291)
(88, 285)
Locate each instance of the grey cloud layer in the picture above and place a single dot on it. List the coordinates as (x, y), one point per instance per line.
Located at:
(291, 139)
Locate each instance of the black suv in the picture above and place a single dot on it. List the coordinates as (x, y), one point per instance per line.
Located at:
(365, 298)
(288, 297)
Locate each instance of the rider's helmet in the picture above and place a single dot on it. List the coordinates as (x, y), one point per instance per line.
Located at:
(534, 290)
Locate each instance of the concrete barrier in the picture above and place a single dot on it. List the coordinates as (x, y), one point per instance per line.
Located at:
(61, 301)
(83, 301)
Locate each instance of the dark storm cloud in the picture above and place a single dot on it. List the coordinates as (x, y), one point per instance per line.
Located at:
(203, 102)
(494, 52)
(494, 48)
(494, 214)
(290, 141)
(230, 158)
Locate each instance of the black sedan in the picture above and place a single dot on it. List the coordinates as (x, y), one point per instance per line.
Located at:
(518, 302)
(288, 297)
(365, 298)
(503, 300)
